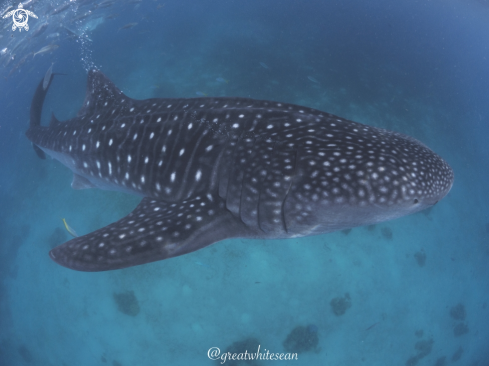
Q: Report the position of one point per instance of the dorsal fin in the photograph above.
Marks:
(54, 121)
(101, 95)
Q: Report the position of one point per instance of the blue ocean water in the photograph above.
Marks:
(413, 291)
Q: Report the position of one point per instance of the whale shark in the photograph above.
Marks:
(214, 168)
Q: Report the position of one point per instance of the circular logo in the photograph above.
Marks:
(20, 18)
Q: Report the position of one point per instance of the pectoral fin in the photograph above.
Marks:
(80, 182)
(155, 230)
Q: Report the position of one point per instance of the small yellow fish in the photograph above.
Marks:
(69, 229)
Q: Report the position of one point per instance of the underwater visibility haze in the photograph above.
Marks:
(340, 242)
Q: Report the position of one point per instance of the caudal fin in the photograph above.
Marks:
(36, 108)
(38, 101)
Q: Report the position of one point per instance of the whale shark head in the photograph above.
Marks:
(363, 175)
(216, 168)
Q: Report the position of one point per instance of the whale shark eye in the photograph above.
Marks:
(416, 201)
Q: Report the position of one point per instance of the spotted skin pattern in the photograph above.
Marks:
(216, 168)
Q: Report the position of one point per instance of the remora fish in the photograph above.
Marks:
(19, 64)
(314, 80)
(47, 77)
(6, 10)
(40, 30)
(61, 8)
(216, 168)
(128, 26)
(47, 48)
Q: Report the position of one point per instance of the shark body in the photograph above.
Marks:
(209, 169)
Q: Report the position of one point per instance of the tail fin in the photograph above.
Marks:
(36, 110)
(38, 101)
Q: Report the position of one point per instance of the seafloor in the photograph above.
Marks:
(411, 291)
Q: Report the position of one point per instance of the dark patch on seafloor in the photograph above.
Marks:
(419, 333)
(457, 312)
(386, 233)
(341, 304)
(25, 353)
(116, 363)
(127, 303)
(249, 345)
(458, 354)
(424, 348)
(420, 258)
(460, 329)
(302, 339)
(442, 361)
(346, 231)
